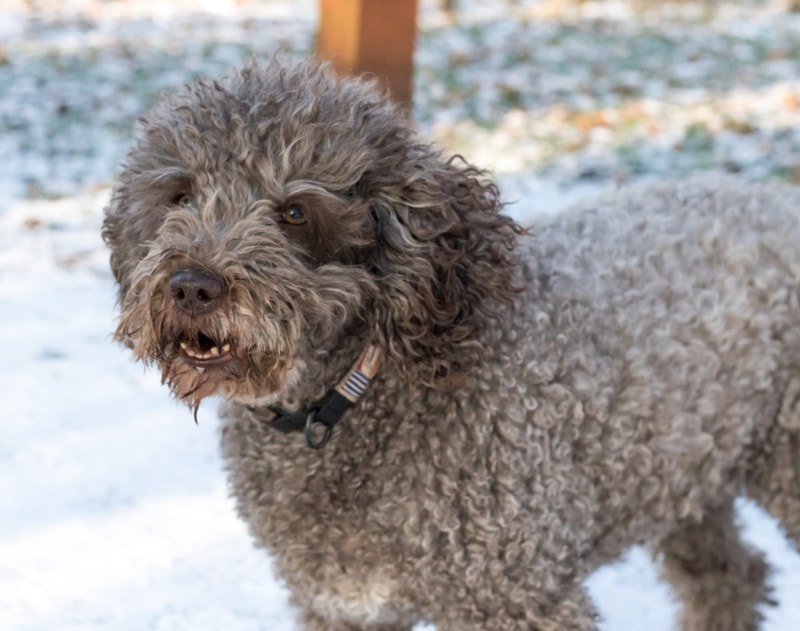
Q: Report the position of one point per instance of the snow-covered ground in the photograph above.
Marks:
(113, 506)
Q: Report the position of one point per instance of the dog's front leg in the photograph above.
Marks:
(574, 612)
(311, 621)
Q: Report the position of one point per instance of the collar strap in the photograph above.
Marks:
(330, 410)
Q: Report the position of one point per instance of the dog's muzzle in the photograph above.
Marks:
(198, 293)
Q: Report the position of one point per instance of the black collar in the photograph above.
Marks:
(330, 410)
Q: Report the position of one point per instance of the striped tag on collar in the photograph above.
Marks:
(332, 408)
(356, 382)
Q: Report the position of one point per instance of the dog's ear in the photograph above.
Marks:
(445, 264)
(114, 226)
(127, 232)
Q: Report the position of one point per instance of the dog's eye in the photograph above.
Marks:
(181, 199)
(294, 215)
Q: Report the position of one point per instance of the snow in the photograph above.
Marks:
(114, 512)
(113, 503)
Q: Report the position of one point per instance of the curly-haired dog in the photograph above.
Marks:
(543, 401)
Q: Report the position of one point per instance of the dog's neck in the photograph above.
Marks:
(317, 421)
(323, 386)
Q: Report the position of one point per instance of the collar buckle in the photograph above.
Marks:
(309, 432)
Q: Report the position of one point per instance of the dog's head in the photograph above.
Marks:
(281, 211)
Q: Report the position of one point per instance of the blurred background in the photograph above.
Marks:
(113, 507)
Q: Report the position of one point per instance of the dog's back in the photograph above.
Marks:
(670, 315)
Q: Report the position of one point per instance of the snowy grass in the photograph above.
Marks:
(113, 507)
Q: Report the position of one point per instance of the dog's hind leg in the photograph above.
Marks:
(774, 480)
(719, 580)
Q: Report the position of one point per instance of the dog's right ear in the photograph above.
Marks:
(136, 211)
(127, 231)
(114, 227)
(445, 264)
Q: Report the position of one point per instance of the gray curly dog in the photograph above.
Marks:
(432, 414)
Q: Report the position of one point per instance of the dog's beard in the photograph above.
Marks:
(245, 349)
(244, 380)
(216, 354)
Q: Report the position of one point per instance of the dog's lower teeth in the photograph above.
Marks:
(212, 353)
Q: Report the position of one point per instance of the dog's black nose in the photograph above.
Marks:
(195, 291)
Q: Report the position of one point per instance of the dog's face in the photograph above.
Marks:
(238, 233)
(263, 220)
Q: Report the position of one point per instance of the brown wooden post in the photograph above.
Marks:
(373, 36)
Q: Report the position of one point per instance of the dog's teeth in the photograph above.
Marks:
(212, 353)
(200, 369)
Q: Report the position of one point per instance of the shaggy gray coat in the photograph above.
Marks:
(618, 375)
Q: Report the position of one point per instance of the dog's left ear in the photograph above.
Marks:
(445, 264)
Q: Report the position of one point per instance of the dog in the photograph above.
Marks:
(432, 413)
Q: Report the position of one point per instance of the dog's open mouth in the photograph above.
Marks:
(203, 350)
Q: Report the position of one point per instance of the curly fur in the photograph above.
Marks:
(617, 376)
